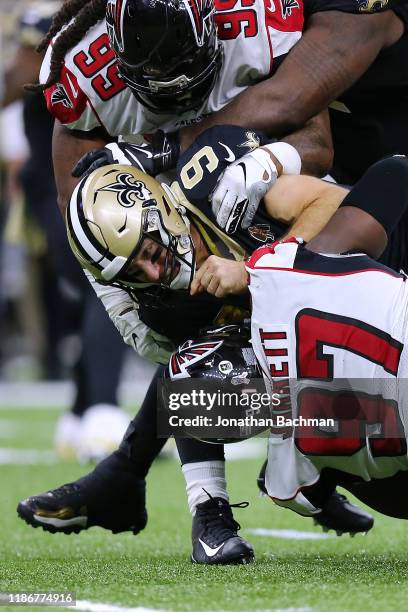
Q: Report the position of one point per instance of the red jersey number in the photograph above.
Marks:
(361, 418)
(90, 64)
(232, 21)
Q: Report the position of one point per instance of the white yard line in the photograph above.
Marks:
(93, 606)
(289, 534)
(59, 395)
(26, 456)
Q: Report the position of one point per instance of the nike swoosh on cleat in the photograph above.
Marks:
(210, 552)
(231, 157)
(81, 521)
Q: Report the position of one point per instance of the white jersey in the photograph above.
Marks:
(330, 331)
(255, 35)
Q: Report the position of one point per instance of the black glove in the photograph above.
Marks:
(158, 156)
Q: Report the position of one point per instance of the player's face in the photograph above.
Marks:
(152, 264)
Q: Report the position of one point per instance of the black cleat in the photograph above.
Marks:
(108, 498)
(215, 537)
(337, 512)
(343, 516)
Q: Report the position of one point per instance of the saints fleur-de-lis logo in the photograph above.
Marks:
(128, 190)
(252, 141)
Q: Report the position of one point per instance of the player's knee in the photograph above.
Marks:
(392, 169)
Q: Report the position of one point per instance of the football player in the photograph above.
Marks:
(335, 338)
(162, 240)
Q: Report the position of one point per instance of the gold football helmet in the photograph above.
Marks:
(114, 212)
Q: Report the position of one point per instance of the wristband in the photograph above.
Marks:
(287, 156)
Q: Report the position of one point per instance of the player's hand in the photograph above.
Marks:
(158, 156)
(220, 277)
(240, 189)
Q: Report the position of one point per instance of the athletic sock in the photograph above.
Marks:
(202, 478)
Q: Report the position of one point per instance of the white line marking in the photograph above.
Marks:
(27, 456)
(289, 534)
(93, 606)
(60, 395)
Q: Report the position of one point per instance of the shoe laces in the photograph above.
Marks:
(218, 517)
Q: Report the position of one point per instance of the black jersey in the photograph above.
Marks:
(370, 120)
(176, 314)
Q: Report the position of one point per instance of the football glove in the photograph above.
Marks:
(240, 189)
(158, 156)
(123, 312)
(246, 181)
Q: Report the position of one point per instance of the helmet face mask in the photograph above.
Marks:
(167, 51)
(119, 217)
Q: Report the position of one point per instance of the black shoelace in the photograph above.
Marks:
(218, 517)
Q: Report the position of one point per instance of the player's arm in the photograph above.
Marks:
(334, 51)
(67, 147)
(305, 203)
(370, 212)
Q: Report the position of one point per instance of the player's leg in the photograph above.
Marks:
(385, 495)
(215, 536)
(113, 494)
(336, 511)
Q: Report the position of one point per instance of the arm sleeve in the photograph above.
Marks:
(123, 312)
(66, 101)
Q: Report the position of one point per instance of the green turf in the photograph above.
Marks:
(153, 569)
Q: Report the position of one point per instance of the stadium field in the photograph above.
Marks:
(152, 571)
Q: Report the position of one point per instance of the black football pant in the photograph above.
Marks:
(141, 445)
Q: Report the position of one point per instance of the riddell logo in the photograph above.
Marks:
(60, 96)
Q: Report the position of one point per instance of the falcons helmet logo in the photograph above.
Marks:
(60, 96)
(200, 13)
(115, 11)
(128, 190)
(189, 354)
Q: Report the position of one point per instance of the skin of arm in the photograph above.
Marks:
(310, 203)
(335, 50)
(67, 147)
(303, 202)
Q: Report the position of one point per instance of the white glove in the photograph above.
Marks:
(123, 312)
(245, 182)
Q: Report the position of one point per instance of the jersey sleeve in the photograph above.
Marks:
(201, 165)
(66, 100)
(356, 6)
